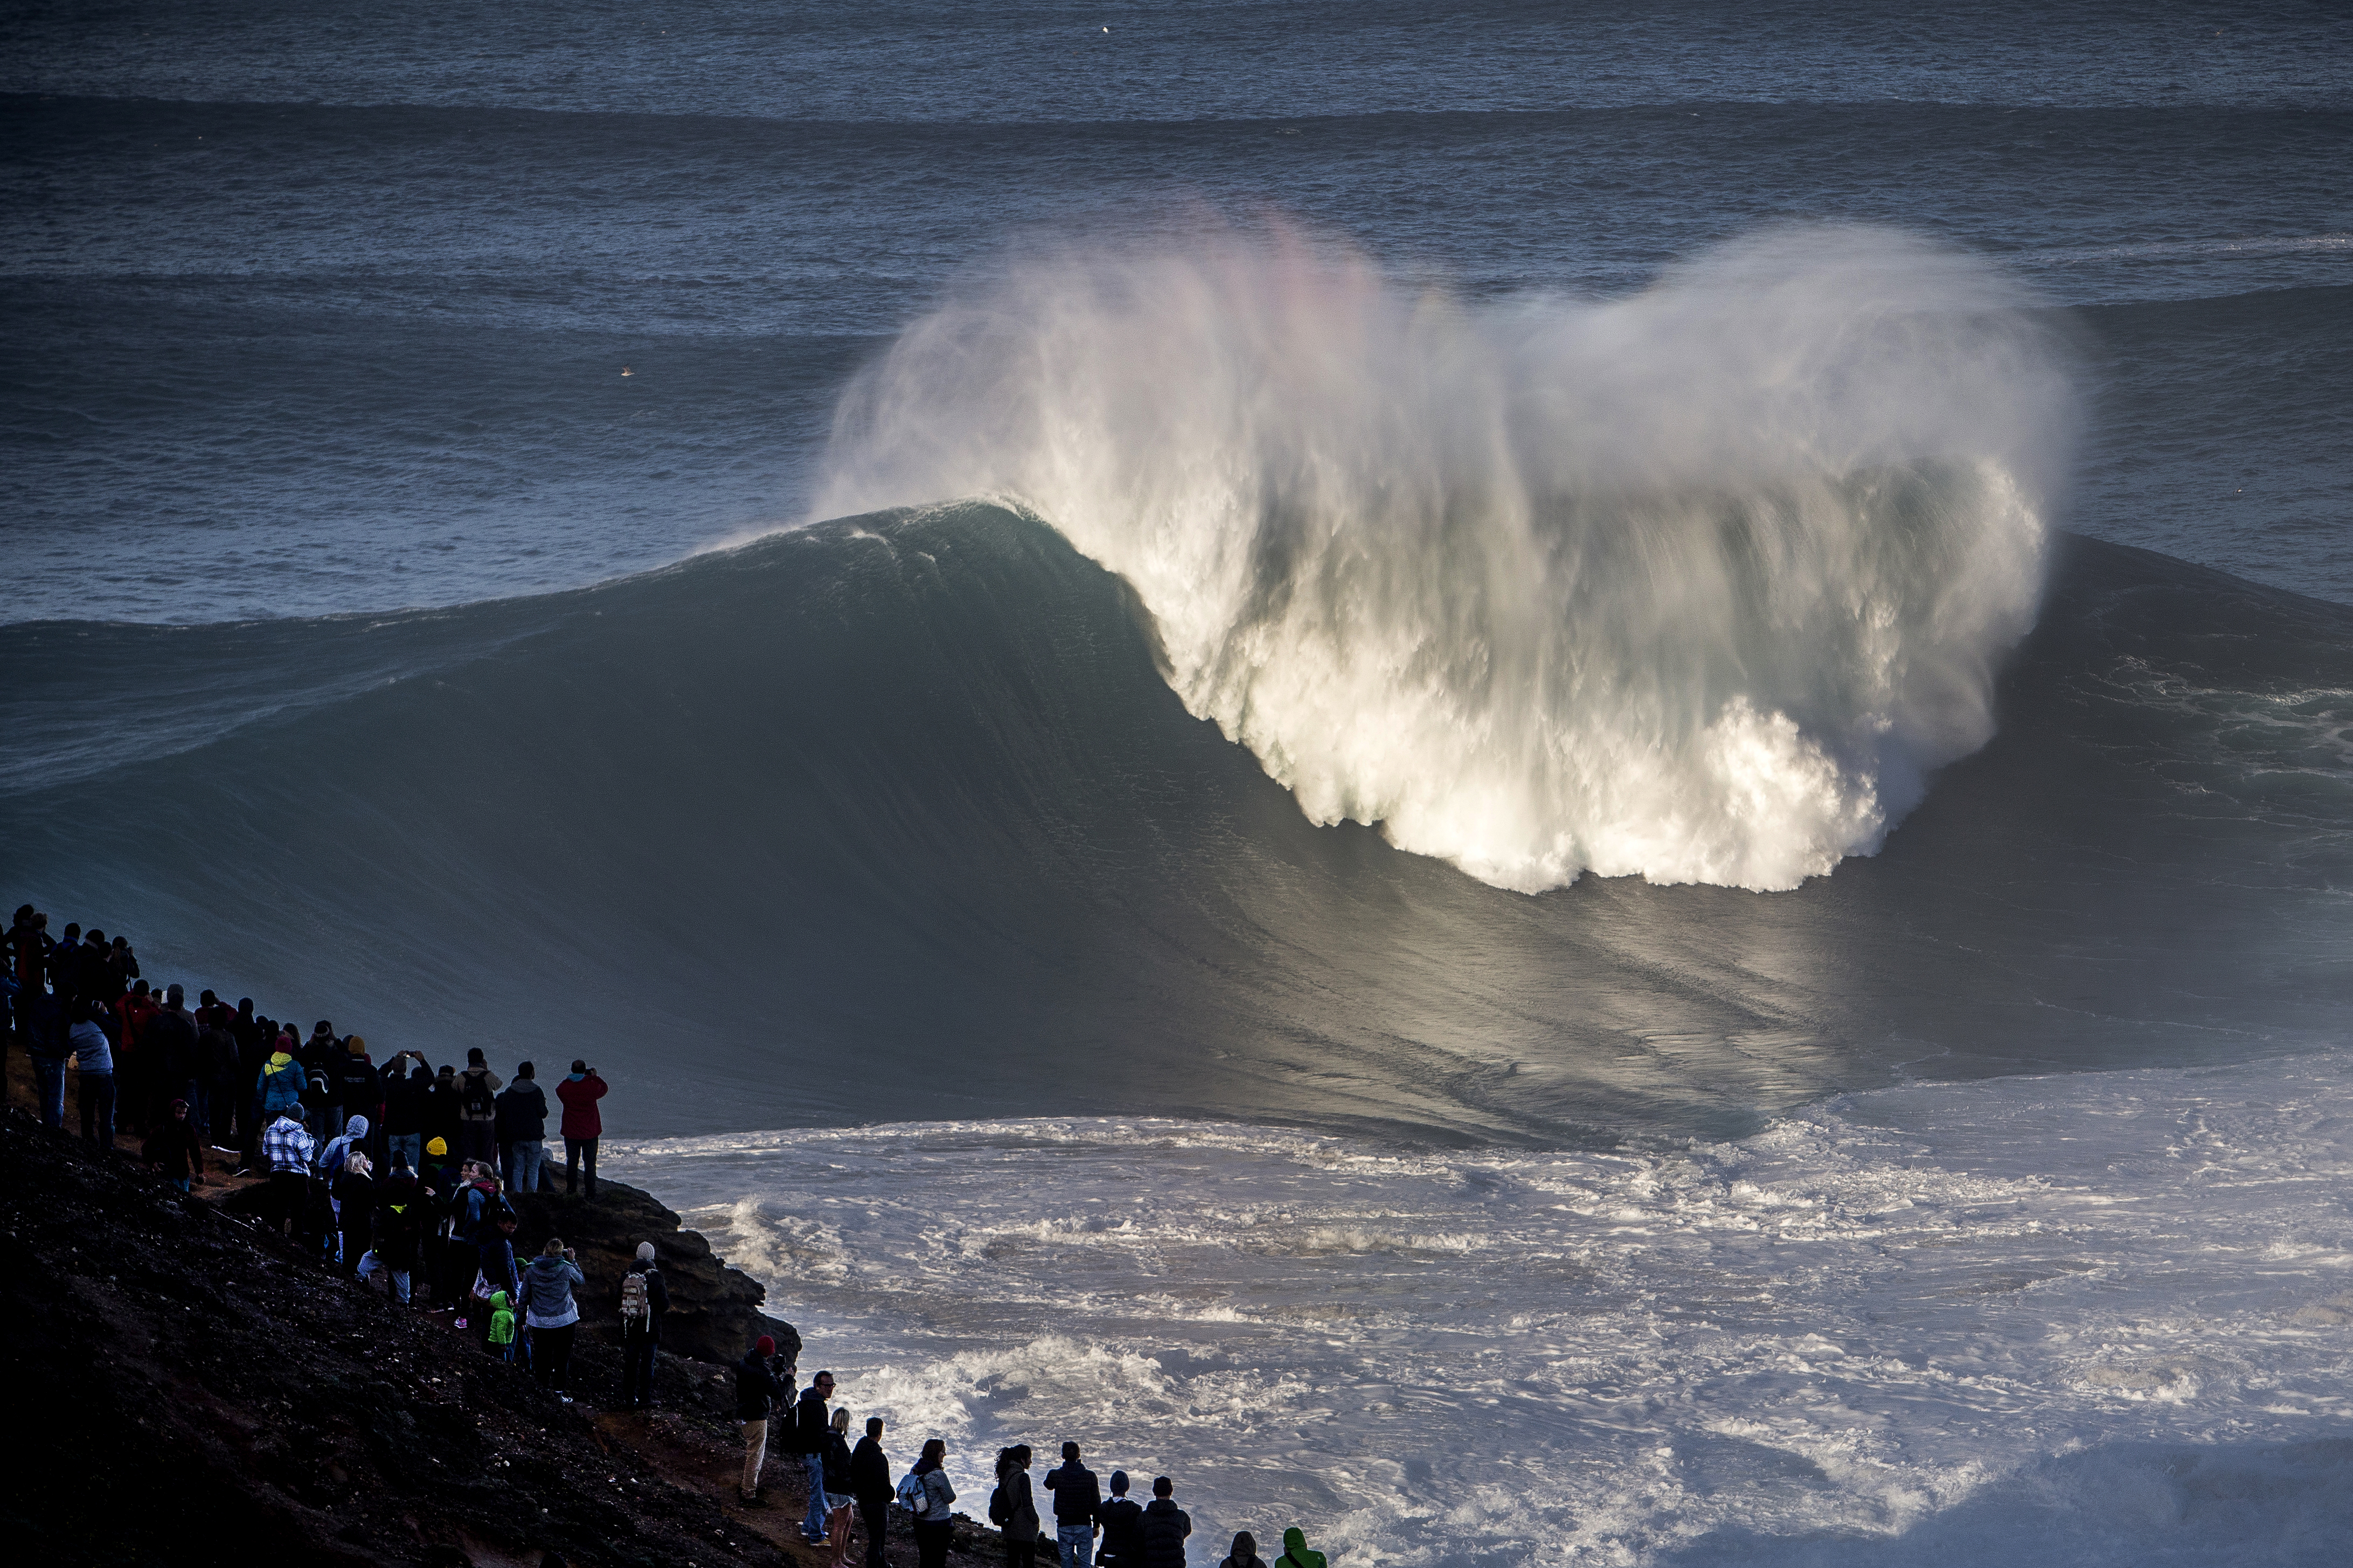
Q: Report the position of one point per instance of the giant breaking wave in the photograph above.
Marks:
(1697, 585)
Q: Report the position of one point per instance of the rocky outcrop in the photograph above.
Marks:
(714, 1311)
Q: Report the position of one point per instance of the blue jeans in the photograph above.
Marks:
(813, 1526)
(409, 1143)
(524, 1158)
(1078, 1544)
(50, 1079)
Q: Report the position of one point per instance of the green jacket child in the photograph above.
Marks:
(502, 1327)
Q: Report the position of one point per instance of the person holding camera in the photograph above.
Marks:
(582, 1124)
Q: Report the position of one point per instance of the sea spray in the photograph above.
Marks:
(1696, 584)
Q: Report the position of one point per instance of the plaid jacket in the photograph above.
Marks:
(285, 1145)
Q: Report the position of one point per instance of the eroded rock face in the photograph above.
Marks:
(714, 1311)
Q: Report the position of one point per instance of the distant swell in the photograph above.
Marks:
(1697, 585)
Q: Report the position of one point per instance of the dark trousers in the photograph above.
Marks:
(289, 1195)
(96, 1092)
(636, 1366)
(932, 1543)
(550, 1354)
(1020, 1553)
(575, 1150)
(874, 1509)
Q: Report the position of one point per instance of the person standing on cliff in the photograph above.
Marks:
(478, 1110)
(870, 1482)
(811, 1431)
(583, 1123)
(644, 1300)
(522, 1130)
(755, 1399)
(1077, 1505)
(170, 1048)
(285, 1145)
(551, 1313)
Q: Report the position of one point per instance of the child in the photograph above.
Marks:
(502, 1327)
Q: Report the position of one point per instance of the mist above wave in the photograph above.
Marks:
(1696, 584)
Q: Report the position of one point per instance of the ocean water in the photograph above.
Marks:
(1540, 783)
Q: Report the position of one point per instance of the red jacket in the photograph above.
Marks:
(580, 1097)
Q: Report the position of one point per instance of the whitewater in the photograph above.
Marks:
(2038, 1321)
(1698, 584)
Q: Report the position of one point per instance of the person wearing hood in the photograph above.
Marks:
(94, 1064)
(1295, 1553)
(934, 1525)
(583, 1123)
(478, 1110)
(757, 1393)
(1123, 1526)
(645, 1301)
(331, 1160)
(550, 1313)
(502, 1327)
(1245, 1552)
(1166, 1527)
(521, 1130)
(287, 1148)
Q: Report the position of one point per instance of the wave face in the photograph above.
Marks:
(904, 802)
(1697, 586)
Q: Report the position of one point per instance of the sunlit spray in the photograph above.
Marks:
(1697, 585)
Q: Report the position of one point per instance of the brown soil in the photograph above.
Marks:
(187, 1389)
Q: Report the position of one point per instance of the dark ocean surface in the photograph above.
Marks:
(421, 606)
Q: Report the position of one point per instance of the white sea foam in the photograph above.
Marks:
(1697, 585)
(2042, 1321)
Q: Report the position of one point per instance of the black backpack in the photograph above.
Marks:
(477, 1101)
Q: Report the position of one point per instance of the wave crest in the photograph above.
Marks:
(1696, 584)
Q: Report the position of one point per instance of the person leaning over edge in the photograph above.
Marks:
(755, 1397)
(1077, 1505)
(869, 1481)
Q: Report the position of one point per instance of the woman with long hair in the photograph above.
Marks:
(935, 1527)
(837, 1486)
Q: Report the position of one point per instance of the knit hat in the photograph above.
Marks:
(437, 1146)
(357, 1045)
(763, 1345)
(645, 1252)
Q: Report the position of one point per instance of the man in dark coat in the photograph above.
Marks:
(1078, 1504)
(870, 1483)
(521, 1130)
(170, 1048)
(1165, 1526)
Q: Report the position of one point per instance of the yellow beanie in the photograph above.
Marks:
(439, 1146)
